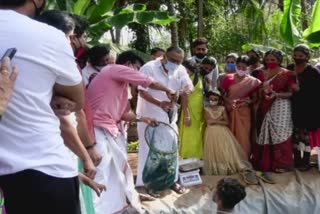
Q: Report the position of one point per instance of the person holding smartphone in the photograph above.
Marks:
(8, 76)
(37, 174)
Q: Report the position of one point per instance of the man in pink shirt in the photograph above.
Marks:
(108, 97)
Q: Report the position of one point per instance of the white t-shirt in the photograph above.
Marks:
(29, 130)
(176, 80)
(87, 72)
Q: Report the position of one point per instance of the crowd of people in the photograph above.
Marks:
(260, 116)
(64, 109)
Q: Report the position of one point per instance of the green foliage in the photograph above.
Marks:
(288, 28)
(312, 33)
(102, 15)
(80, 6)
(100, 11)
(133, 147)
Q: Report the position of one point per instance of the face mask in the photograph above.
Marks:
(230, 67)
(213, 103)
(299, 61)
(170, 66)
(200, 56)
(39, 9)
(204, 72)
(271, 65)
(253, 60)
(241, 73)
(79, 52)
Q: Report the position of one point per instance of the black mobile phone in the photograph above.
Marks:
(9, 53)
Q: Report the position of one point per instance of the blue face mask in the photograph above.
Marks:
(230, 67)
(170, 66)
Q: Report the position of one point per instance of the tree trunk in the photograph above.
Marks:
(118, 36)
(280, 5)
(113, 39)
(182, 25)
(200, 18)
(303, 4)
(173, 26)
(141, 40)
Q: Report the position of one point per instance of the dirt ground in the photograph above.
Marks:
(133, 161)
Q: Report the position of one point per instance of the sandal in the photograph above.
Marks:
(266, 177)
(146, 197)
(279, 170)
(178, 188)
(249, 177)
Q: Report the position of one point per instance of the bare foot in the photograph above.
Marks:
(178, 188)
(146, 197)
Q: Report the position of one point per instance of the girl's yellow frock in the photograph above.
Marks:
(222, 153)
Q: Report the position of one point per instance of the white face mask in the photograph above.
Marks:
(213, 103)
(170, 66)
(241, 73)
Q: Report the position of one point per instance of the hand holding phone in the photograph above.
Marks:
(8, 76)
(9, 53)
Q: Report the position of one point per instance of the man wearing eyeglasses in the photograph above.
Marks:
(169, 72)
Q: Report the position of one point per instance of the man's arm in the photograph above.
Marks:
(73, 142)
(86, 138)
(73, 93)
(7, 81)
(165, 105)
(131, 117)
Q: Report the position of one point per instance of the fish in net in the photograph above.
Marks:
(159, 171)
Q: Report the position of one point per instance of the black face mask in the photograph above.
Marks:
(253, 60)
(200, 55)
(39, 9)
(299, 61)
(203, 72)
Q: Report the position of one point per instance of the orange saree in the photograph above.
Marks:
(240, 117)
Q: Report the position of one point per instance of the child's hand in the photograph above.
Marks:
(187, 121)
(296, 87)
(98, 188)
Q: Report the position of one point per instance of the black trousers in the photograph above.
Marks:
(33, 192)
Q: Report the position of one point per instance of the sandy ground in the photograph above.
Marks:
(133, 161)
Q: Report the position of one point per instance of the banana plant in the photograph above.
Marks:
(102, 15)
(289, 29)
(312, 33)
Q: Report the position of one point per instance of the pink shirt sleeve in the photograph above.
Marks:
(128, 75)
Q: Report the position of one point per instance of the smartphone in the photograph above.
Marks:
(9, 53)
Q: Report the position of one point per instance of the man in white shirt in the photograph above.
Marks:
(151, 103)
(37, 174)
(98, 58)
